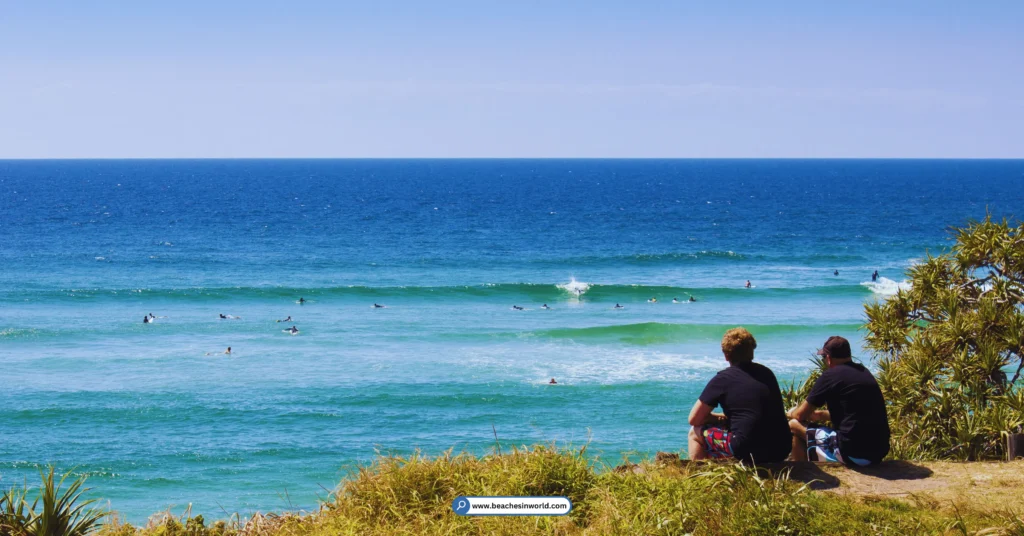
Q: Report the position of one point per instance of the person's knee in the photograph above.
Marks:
(797, 427)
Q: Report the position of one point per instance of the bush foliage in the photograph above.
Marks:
(57, 510)
(950, 348)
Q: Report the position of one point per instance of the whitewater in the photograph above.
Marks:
(159, 416)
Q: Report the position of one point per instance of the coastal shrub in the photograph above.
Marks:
(950, 348)
(57, 510)
(794, 392)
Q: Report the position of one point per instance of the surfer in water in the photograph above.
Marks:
(874, 277)
(516, 308)
(377, 306)
(617, 306)
(289, 319)
(652, 300)
(293, 330)
(675, 300)
(302, 301)
(228, 351)
(692, 299)
(552, 382)
(545, 306)
(748, 283)
(146, 320)
(223, 316)
(835, 272)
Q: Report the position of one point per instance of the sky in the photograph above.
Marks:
(439, 79)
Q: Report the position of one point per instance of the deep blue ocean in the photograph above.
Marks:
(158, 416)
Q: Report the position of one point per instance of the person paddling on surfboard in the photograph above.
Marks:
(617, 306)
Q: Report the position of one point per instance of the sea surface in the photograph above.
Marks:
(159, 417)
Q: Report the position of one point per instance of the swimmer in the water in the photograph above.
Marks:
(748, 283)
(289, 319)
(552, 382)
(228, 351)
(692, 299)
(617, 306)
(545, 306)
(835, 272)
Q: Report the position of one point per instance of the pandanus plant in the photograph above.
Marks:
(57, 510)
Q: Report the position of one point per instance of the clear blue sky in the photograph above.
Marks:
(511, 79)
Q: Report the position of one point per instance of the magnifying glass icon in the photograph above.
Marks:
(461, 505)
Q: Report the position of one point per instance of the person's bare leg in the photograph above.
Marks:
(696, 445)
(799, 453)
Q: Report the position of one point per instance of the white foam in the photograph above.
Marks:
(886, 287)
(575, 288)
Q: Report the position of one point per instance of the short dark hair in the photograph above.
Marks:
(836, 347)
(738, 345)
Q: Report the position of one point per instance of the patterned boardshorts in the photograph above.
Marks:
(717, 441)
(823, 446)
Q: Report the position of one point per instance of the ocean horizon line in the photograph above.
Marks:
(519, 158)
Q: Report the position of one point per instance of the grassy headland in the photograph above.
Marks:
(413, 496)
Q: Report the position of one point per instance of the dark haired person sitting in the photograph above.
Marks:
(860, 433)
(753, 427)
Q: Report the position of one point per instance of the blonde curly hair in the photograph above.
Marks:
(738, 345)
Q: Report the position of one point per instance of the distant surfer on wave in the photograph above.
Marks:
(692, 299)
(377, 306)
(835, 272)
(675, 300)
(289, 319)
(228, 351)
(516, 308)
(293, 330)
(552, 382)
(652, 300)
(874, 276)
(748, 283)
(146, 320)
(302, 301)
(545, 306)
(617, 306)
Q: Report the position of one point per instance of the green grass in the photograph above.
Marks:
(413, 495)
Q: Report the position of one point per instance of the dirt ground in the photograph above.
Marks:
(979, 485)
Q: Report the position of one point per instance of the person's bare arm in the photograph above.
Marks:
(701, 414)
(808, 412)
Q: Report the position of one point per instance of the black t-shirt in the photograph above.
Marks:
(750, 397)
(857, 409)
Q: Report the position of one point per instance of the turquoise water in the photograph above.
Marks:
(159, 417)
